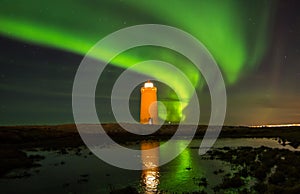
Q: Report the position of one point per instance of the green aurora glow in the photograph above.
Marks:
(233, 31)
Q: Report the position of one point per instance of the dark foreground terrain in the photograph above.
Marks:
(275, 170)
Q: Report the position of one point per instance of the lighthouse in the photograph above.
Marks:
(148, 111)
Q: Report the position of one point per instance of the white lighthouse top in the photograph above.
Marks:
(148, 84)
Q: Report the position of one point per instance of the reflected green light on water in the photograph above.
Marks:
(184, 158)
(185, 172)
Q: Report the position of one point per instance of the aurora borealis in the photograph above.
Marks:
(241, 36)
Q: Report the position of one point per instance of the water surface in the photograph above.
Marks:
(79, 171)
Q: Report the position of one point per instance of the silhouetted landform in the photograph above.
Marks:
(67, 135)
(14, 140)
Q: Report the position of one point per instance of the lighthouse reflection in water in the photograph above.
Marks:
(150, 173)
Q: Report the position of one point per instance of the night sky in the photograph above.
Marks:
(255, 43)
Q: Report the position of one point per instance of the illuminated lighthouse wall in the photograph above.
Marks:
(148, 114)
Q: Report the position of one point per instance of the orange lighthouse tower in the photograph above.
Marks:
(148, 114)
